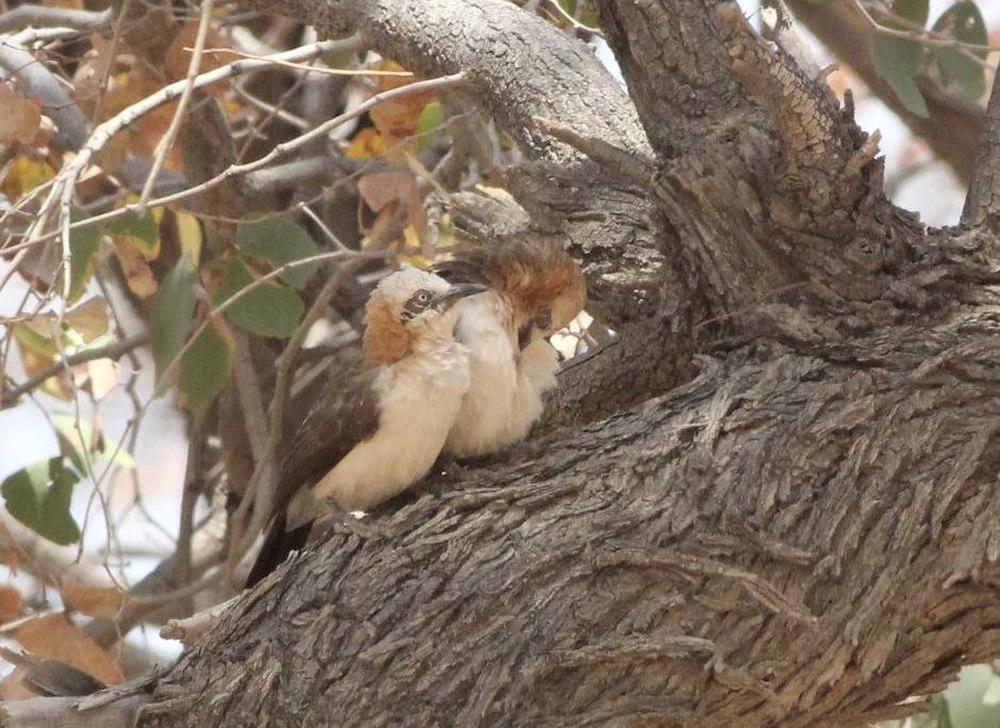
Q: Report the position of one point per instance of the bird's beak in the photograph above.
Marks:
(444, 301)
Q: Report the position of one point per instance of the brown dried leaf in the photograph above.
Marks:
(12, 688)
(20, 118)
(100, 374)
(178, 57)
(10, 603)
(138, 275)
(381, 188)
(398, 119)
(55, 636)
(92, 600)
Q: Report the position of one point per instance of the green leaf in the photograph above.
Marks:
(83, 245)
(39, 497)
(269, 309)
(430, 119)
(172, 313)
(141, 231)
(964, 22)
(278, 240)
(915, 11)
(898, 61)
(205, 367)
(100, 448)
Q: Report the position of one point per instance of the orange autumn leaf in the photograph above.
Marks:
(10, 603)
(178, 55)
(55, 636)
(398, 118)
(20, 118)
(93, 600)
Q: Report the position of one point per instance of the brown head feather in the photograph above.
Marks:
(530, 274)
(386, 339)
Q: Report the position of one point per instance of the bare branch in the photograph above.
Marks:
(167, 140)
(41, 16)
(66, 713)
(114, 350)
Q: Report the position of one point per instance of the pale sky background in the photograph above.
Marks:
(160, 454)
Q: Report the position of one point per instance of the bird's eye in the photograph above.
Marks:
(417, 303)
(543, 319)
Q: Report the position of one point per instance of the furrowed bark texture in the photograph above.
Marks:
(803, 534)
(953, 124)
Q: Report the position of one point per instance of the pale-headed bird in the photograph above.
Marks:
(379, 430)
(534, 291)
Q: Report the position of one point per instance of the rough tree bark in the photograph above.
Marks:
(803, 533)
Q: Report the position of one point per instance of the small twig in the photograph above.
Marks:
(251, 399)
(286, 116)
(313, 69)
(193, 478)
(923, 36)
(240, 169)
(584, 31)
(111, 351)
(191, 628)
(167, 140)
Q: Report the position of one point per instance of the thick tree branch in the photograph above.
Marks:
(983, 200)
(720, 556)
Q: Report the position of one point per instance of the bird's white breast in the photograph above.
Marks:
(418, 401)
(505, 396)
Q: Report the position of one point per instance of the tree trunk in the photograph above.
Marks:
(802, 533)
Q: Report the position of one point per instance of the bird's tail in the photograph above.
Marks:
(278, 544)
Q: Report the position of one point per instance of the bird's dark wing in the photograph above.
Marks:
(344, 413)
(466, 265)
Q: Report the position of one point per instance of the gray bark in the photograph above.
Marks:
(803, 533)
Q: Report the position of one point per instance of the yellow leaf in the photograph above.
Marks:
(138, 275)
(398, 117)
(411, 239)
(189, 234)
(24, 174)
(367, 144)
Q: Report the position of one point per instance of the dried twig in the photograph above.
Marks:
(167, 140)
(112, 351)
